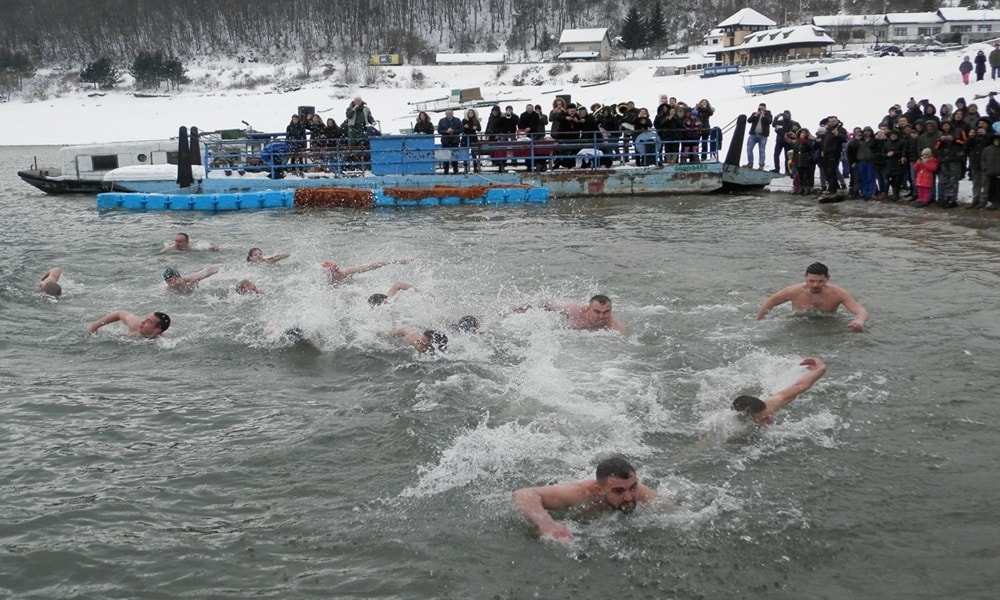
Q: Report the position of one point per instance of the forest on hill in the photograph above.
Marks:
(72, 33)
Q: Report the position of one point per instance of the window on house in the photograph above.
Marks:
(899, 32)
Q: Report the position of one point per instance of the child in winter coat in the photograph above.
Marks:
(965, 68)
(925, 168)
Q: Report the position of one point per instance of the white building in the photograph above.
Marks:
(592, 44)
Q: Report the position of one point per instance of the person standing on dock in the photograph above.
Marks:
(760, 127)
(450, 130)
(359, 117)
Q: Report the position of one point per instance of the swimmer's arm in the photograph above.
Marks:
(168, 248)
(616, 325)
(816, 370)
(277, 257)
(779, 297)
(535, 503)
(203, 274)
(52, 274)
(860, 314)
(118, 315)
(556, 306)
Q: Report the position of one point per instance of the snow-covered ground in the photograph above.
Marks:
(214, 100)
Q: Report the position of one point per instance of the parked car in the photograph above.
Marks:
(888, 50)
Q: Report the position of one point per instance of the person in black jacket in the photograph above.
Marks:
(783, 123)
(450, 128)
(759, 127)
(833, 144)
(423, 124)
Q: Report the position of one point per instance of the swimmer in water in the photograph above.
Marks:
(337, 274)
(256, 255)
(49, 285)
(247, 287)
(182, 243)
(150, 326)
(816, 295)
(380, 299)
(615, 487)
(185, 285)
(428, 341)
(596, 315)
(761, 412)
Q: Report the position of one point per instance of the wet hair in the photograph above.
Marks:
(251, 253)
(52, 288)
(164, 320)
(615, 466)
(468, 324)
(170, 273)
(243, 287)
(187, 238)
(294, 335)
(748, 404)
(817, 268)
(437, 340)
(377, 299)
(600, 299)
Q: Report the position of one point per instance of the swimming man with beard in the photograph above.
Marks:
(616, 487)
(816, 295)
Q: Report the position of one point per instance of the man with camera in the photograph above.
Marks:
(760, 127)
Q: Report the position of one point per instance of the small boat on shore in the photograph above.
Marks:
(792, 77)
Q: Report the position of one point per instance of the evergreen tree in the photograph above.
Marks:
(634, 33)
(101, 73)
(657, 28)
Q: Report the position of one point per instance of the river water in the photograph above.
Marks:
(222, 461)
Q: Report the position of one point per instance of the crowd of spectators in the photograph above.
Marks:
(918, 153)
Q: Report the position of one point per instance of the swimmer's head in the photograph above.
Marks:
(619, 483)
(377, 300)
(817, 268)
(468, 324)
(748, 405)
(435, 340)
(164, 320)
(255, 254)
(52, 288)
(170, 273)
(247, 287)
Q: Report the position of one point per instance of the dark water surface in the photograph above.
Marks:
(224, 462)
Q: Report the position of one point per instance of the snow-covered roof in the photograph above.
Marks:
(800, 35)
(578, 55)
(748, 17)
(848, 20)
(965, 14)
(579, 36)
(904, 18)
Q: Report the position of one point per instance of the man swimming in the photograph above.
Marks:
(150, 326)
(380, 299)
(593, 316)
(185, 285)
(336, 274)
(816, 295)
(761, 412)
(182, 243)
(615, 487)
(428, 341)
(49, 284)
